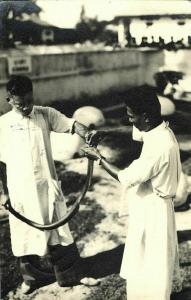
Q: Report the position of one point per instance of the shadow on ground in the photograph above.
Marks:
(103, 264)
(184, 295)
(184, 235)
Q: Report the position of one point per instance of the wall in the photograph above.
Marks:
(66, 76)
(165, 27)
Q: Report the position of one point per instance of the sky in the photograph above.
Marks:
(66, 13)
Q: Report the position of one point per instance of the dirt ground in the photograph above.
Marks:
(97, 228)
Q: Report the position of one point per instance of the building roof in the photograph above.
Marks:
(152, 17)
(18, 7)
(149, 9)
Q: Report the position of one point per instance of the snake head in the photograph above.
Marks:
(93, 137)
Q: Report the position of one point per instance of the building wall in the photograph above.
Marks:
(72, 75)
(165, 27)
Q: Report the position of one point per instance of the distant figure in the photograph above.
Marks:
(173, 89)
(167, 105)
(153, 43)
(171, 45)
(160, 81)
(189, 41)
(167, 83)
(180, 44)
(161, 42)
(150, 259)
(131, 42)
(144, 42)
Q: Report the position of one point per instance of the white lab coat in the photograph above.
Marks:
(31, 177)
(150, 256)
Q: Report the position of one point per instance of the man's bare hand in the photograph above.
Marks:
(91, 152)
(3, 199)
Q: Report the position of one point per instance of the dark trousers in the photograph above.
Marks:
(59, 265)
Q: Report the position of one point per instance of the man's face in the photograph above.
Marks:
(138, 120)
(22, 104)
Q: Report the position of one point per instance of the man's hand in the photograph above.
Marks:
(93, 137)
(91, 153)
(94, 154)
(3, 199)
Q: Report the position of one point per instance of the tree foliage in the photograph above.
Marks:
(95, 31)
(9, 10)
(89, 29)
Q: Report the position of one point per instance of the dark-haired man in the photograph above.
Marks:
(32, 182)
(150, 257)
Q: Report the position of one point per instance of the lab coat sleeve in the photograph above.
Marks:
(143, 169)
(59, 122)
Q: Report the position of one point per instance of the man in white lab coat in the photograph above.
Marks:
(150, 258)
(32, 182)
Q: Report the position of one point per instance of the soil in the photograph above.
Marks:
(97, 229)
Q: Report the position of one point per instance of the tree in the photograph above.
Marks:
(94, 30)
(9, 10)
